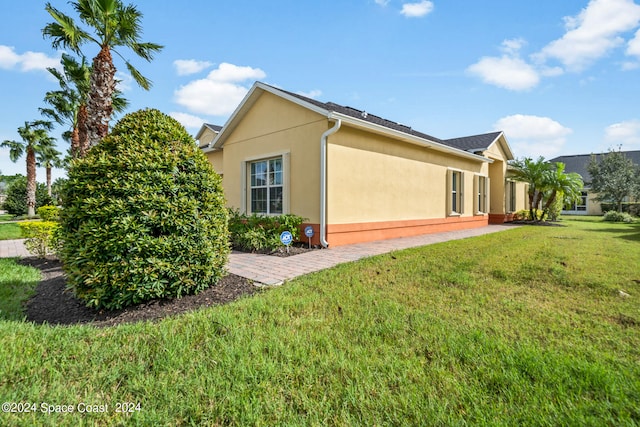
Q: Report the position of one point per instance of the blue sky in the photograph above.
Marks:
(559, 77)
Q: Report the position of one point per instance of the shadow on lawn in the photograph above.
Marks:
(631, 232)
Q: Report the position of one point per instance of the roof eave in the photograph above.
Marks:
(362, 124)
(249, 99)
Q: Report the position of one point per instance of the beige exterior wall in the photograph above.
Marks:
(274, 127)
(377, 186)
(216, 160)
(206, 137)
(374, 178)
(593, 207)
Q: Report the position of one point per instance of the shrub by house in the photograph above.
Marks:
(143, 216)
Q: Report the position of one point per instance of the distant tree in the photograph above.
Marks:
(48, 158)
(35, 138)
(614, 176)
(56, 190)
(111, 25)
(16, 200)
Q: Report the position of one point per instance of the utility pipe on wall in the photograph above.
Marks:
(323, 180)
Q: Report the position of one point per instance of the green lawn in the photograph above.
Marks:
(17, 284)
(523, 327)
(10, 231)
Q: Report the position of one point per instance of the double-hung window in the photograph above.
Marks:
(266, 195)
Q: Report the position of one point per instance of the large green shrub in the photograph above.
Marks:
(143, 216)
(16, 201)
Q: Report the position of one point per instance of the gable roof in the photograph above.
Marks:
(214, 128)
(475, 142)
(578, 163)
(364, 120)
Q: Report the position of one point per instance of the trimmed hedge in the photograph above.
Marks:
(143, 216)
(261, 232)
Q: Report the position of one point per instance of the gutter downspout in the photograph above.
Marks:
(323, 180)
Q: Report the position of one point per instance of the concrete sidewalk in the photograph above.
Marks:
(272, 270)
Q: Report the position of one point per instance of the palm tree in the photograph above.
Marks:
(69, 103)
(48, 157)
(115, 25)
(557, 181)
(35, 136)
(533, 173)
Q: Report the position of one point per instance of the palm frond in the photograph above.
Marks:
(144, 82)
(64, 32)
(146, 50)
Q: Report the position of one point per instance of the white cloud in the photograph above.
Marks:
(189, 121)
(124, 81)
(512, 47)
(381, 2)
(592, 34)
(8, 57)
(633, 48)
(626, 133)
(28, 61)
(533, 136)
(185, 67)
(507, 72)
(313, 94)
(220, 92)
(417, 10)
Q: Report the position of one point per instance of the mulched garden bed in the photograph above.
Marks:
(294, 249)
(53, 304)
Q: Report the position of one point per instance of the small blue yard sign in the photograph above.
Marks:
(308, 231)
(286, 238)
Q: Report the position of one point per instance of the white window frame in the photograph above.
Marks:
(247, 187)
(481, 194)
(578, 207)
(455, 195)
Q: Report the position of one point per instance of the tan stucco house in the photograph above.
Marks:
(355, 176)
(579, 163)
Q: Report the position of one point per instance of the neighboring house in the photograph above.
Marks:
(579, 164)
(357, 177)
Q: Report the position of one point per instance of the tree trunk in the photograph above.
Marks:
(75, 142)
(549, 202)
(31, 182)
(49, 179)
(531, 208)
(99, 106)
(537, 203)
(83, 135)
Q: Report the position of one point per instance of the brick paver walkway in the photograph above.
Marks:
(271, 270)
(13, 248)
